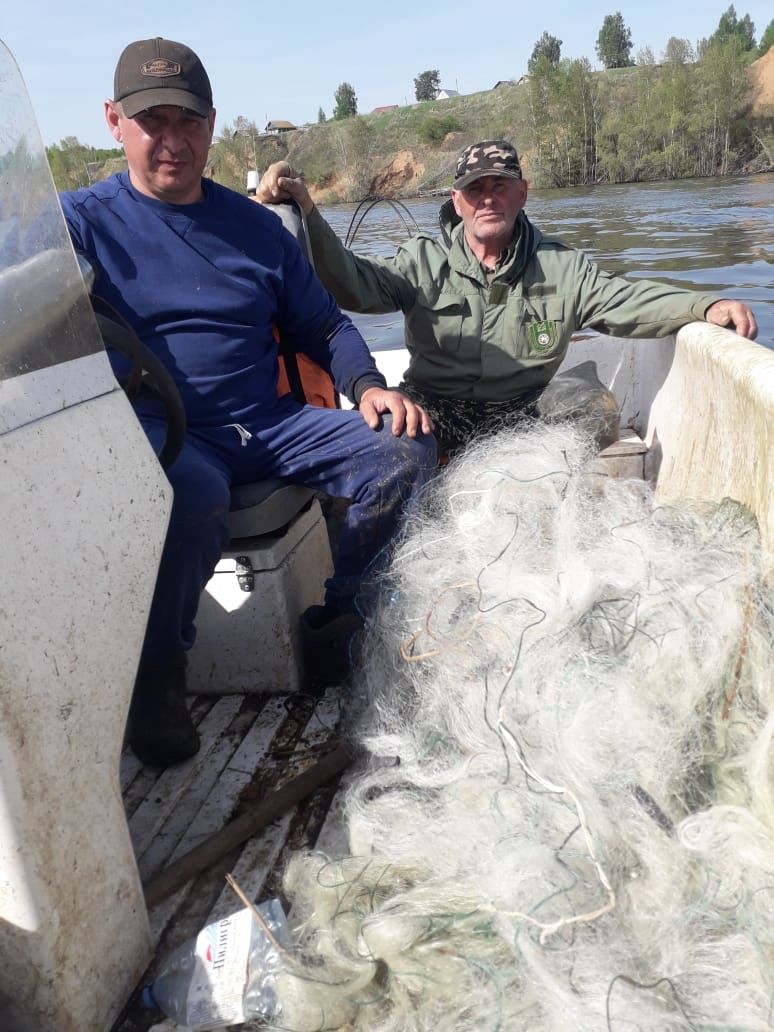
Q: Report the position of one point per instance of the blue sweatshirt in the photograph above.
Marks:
(203, 285)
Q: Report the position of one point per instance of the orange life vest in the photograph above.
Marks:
(317, 385)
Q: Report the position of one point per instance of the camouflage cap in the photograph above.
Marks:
(488, 158)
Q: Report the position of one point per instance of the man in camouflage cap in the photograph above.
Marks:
(487, 194)
(491, 304)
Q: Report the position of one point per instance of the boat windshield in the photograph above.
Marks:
(45, 315)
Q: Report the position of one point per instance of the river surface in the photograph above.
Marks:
(715, 235)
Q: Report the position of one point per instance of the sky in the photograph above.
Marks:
(287, 62)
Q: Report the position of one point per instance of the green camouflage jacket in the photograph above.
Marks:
(494, 339)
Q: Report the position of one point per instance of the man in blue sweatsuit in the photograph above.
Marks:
(204, 275)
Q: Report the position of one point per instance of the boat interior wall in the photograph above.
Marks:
(704, 405)
(85, 507)
(712, 424)
(633, 370)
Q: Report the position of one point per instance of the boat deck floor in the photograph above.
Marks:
(251, 745)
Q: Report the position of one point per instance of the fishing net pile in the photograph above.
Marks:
(579, 833)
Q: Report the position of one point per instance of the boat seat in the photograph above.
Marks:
(274, 567)
(265, 507)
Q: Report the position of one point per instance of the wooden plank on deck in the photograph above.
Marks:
(248, 743)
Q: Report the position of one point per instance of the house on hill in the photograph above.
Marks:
(446, 94)
(511, 82)
(383, 108)
(278, 126)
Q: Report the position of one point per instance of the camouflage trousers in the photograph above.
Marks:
(457, 421)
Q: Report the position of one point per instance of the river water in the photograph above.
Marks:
(715, 235)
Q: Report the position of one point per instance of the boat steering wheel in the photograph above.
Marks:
(148, 374)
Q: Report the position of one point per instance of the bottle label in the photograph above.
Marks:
(217, 987)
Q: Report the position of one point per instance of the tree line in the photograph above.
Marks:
(70, 161)
(613, 48)
(682, 117)
(614, 42)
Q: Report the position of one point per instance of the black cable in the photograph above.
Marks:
(409, 222)
(147, 372)
(634, 984)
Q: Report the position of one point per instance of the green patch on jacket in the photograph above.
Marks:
(542, 336)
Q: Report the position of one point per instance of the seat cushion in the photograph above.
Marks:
(265, 506)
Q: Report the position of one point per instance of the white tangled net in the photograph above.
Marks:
(579, 834)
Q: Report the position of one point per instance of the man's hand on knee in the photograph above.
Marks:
(406, 415)
(280, 182)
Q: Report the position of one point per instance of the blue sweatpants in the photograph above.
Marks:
(330, 450)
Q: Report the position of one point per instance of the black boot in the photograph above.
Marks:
(160, 730)
(327, 639)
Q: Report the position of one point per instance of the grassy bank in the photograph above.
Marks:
(572, 126)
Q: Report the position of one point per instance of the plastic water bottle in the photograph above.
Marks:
(226, 974)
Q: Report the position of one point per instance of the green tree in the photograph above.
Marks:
(629, 137)
(678, 51)
(550, 48)
(649, 132)
(724, 87)
(435, 128)
(70, 162)
(427, 85)
(542, 99)
(565, 110)
(355, 142)
(767, 39)
(321, 119)
(731, 27)
(235, 153)
(614, 42)
(645, 57)
(674, 106)
(582, 126)
(345, 102)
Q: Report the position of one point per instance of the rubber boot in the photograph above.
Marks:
(578, 395)
(327, 639)
(160, 731)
